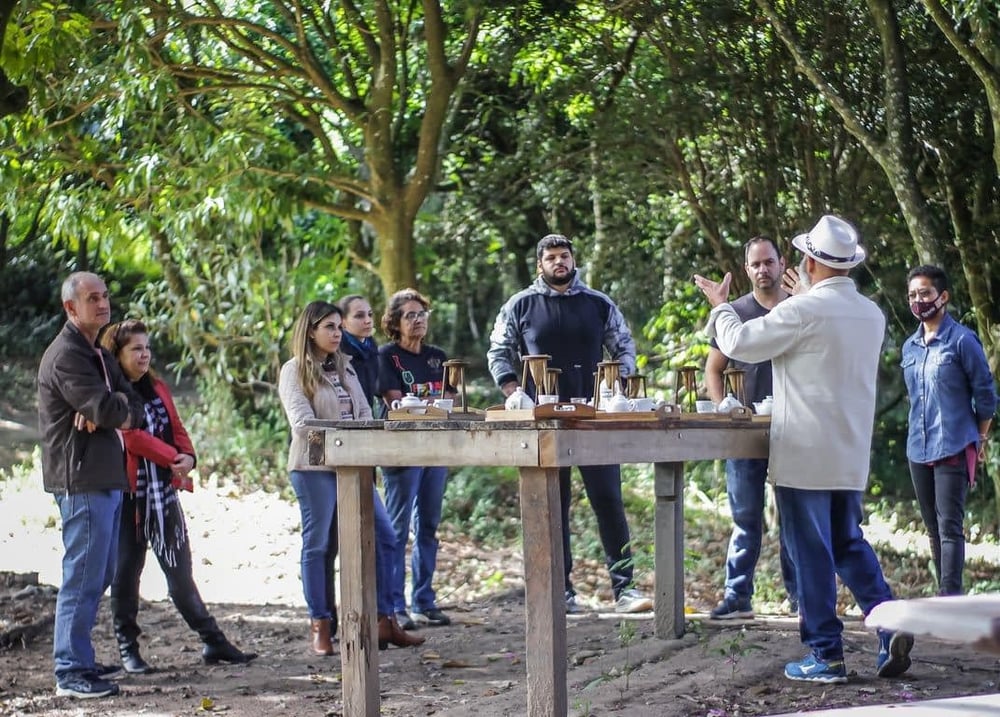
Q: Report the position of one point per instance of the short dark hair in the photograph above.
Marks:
(760, 239)
(393, 315)
(552, 241)
(935, 273)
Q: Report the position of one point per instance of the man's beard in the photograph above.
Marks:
(561, 280)
(804, 275)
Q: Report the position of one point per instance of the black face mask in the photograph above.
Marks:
(926, 310)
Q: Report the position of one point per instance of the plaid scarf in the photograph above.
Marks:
(154, 492)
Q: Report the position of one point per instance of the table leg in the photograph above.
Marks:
(544, 587)
(668, 483)
(358, 611)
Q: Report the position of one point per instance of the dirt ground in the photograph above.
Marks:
(476, 667)
(246, 553)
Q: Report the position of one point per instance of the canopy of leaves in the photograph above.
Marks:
(243, 158)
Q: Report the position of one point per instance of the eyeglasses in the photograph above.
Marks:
(414, 315)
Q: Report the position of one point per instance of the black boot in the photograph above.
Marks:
(218, 649)
(132, 661)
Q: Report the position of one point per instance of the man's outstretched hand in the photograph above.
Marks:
(717, 292)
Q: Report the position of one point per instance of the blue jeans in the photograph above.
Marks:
(90, 539)
(823, 533)
(745, 483)
(603, 485)
(415, 493)
(317, 495)
(941, 492)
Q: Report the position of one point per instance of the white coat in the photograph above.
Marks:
(824, 347)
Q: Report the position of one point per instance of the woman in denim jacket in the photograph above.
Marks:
(952, 402)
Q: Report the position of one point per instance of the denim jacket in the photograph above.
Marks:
(951, 390)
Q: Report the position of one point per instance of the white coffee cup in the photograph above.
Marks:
(643, 404)
(704, 407)
(445, 404)
(547, 398)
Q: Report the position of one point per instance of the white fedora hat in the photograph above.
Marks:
(832, 242)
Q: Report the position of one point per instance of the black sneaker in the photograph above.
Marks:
(893, 653)
(431, 616)
(85, 686)
(732, 609)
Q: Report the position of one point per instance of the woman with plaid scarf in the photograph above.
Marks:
(159, 458)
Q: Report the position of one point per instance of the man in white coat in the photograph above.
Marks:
(824, 347)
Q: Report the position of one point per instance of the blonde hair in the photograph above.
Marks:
(310, 368)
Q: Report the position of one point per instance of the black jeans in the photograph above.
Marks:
(941, 491)
(604, 491)
(180, 580)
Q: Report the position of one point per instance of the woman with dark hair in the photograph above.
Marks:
(159, 459)
(359, 344)
(952, 402)
(319, 382)
(408, 365)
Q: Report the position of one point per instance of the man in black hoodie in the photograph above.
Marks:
(562, 317)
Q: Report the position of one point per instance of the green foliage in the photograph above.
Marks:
(248, 448)
(482, 503)
(29, 290)
(736, 649)
(247, 160)
(44, 33)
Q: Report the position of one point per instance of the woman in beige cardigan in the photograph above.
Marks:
(318, 382)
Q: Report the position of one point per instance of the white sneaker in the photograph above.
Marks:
(572, 606)
(633, 601)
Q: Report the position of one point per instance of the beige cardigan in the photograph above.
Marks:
(324, 405)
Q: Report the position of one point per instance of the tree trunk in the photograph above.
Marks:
(396, 267)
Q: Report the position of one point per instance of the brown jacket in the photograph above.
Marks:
(71, 380)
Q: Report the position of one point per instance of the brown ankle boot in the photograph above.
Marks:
(321, 642)
(389, 632)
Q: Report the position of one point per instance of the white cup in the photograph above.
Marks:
(445, 404)
(643, 404)
(580, 399)
(704, 407)
(547, 398)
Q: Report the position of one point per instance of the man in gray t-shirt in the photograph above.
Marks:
(746, 478)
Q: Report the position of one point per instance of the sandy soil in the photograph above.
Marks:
(246, 552)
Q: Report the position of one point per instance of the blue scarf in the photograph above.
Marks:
(366, 346)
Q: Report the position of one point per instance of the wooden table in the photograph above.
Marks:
(538, 449)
